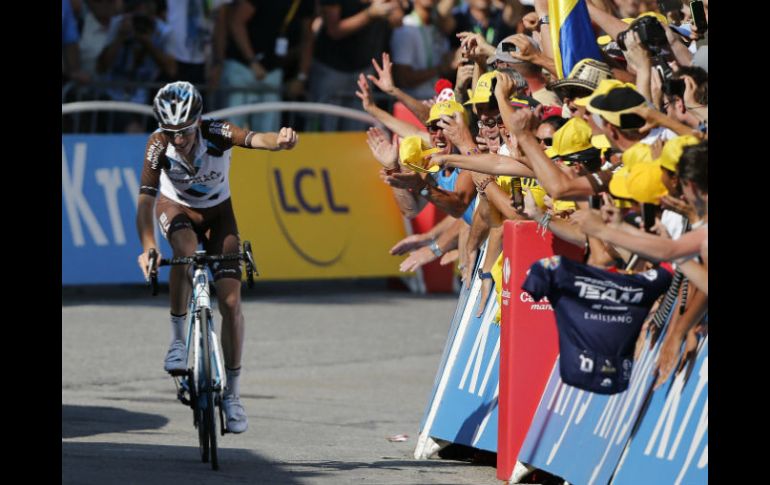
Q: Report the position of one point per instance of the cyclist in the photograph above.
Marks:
(188, 160)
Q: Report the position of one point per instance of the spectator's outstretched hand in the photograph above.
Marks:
(287, 139)
(679, 206)
(406, 179)
(410, 243)
(456, 130)
(524, 49)
(504, 87)
(475, 46)
(365, 93)
(381, 8)
(589, 220)
(464, 76)
(486, 288)
(417, 259)
(610, 214)
(385, 150)
(689, 93)
(530, 22)
(636, 54)
(521, 121)
(449, 257)
(384, 79)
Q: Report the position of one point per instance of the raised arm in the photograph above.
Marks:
(654, 248)
(384, 81)
(400, 127)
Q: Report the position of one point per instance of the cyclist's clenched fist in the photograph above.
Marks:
(287, 138)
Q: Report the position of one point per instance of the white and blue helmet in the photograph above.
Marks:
(177, 103)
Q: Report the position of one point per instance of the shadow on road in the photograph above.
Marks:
(78, 421)
(119, 463)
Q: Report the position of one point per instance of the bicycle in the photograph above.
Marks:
(201, 385)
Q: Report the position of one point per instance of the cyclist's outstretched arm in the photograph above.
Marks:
(285, 139)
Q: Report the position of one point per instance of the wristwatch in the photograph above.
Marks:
(436, 250)
(542, 21)
(484, 276)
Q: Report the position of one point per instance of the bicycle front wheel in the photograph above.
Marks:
(207, 429)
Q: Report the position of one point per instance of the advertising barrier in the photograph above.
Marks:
(581, 436)
(529, 338)
(670, 445)
(463, 404)
(318, 211)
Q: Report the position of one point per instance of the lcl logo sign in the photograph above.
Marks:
(302, 203)
(312, 218)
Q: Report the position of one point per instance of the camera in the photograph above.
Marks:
(651, 35)
(508, 47)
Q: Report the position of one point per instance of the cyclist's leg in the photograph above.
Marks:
(177, 226)
(223, 239)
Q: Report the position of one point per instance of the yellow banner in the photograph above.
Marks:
(317, 211)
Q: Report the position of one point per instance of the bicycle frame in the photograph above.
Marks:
(201, 298)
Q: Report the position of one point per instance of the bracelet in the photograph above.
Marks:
(483, 185)
(484, 276)
(544, 222)
(472, 151)
(391, 171)
(436, 250)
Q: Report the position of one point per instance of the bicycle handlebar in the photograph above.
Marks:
(246, 256)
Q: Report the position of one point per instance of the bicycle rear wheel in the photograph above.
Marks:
(207, 429)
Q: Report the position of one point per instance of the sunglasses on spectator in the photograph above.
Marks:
(433, 128)
(548, 141)
(183, 132)
(491, 122)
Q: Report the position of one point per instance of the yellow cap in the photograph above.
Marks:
(573, 137)
(413, 152)
(644, 183)
(537, 191)
(449, 107)
(639, 152)
(600, 141)
(606, 39)
(483, 91)
(563, 205)
(604, 87)
(551, 152)
(672, 151)
(618, 183)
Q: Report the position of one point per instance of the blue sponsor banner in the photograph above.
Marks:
(670, 445)
(580, 435)
(100, 187)
(463, 407)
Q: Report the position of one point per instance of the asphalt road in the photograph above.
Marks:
(329, 373)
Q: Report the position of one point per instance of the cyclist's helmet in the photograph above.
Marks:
(177, 103)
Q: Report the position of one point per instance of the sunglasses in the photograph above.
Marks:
(548, 141)
(491, 122)
(433, 128)
(183, 132)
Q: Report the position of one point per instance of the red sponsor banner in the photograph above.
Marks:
(528, 338)
(437, 278)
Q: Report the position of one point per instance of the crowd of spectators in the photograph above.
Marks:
(612, 158)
